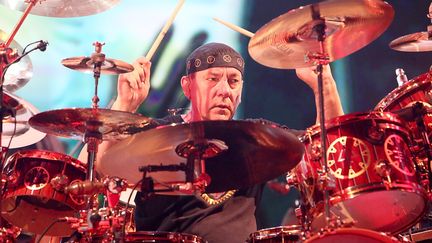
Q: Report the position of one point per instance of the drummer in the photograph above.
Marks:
(213, 83)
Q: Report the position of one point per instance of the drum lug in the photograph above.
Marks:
(326, 181)
(291, 179)
(375, 134)
(59, 182)
(315, 151)
(383, 169)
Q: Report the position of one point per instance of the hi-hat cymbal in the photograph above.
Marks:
(289, 40)
(109, 66)
(72, 122)
(416, 42)
(18, 74)
(23, 135)
(255, 153)
(62, 8)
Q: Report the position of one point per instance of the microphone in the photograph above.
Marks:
(42, 45)
(401, 78)
(85, 187)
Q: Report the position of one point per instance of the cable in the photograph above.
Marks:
(123, 231)
(10, 142)
(48, 228)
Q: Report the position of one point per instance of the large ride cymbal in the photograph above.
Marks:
(72, 122)
(109, 66)
(62, 8)
(416, 42)
(256, 152)
(22, 135)
(288, 40)
(18, 74)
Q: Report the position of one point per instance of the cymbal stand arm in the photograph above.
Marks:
(98, 58)
(320, 61)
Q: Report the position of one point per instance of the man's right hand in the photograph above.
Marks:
(133, 87)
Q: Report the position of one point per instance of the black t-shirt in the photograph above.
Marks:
(228, 222)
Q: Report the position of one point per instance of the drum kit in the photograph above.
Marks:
(381, 158)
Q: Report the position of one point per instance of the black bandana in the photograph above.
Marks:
(213, 55)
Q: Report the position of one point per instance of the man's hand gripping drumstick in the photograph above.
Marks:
(133, 87)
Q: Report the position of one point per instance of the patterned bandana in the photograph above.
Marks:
(213, 55)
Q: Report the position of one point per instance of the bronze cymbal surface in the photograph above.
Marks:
(86, 64)
(290, 41)
(415, 42)
(62, 8)
(18, 74)
(255, 152)
(21, 134)
(72, 122)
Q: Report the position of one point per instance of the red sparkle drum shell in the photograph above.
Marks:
(288, 234)
(30, 200)
(352, 235)
(417, 89)
(375, 184)
(162, 237)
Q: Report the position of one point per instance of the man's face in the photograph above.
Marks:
(214, 93)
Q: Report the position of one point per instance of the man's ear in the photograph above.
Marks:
(185, 83)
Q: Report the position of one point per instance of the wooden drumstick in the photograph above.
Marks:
(235, 28)
(164, 31)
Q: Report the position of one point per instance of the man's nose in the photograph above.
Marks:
(223, 88)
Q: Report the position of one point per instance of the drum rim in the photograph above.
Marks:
(345, 230)
(46, 154)
(275, 231)
(134, 235)
(403, 90)
(353, 117)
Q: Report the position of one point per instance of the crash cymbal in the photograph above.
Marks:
(62, 8)
(255, 152)
(19, 73)
(289, 40)
(23, 134)
(71, 122)
(416, 42)
(109, 66)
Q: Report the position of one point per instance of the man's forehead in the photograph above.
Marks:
(220, 70)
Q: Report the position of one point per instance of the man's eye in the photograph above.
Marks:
(212, 79)
(234, 81)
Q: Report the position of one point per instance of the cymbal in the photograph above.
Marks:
(24, 134)
(109, 66)
(71, 122)
(19, 73)
(416, 42)
(256, 153)
(288, 40)
(62, 8)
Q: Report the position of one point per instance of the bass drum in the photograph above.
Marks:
(34, 196)
(352, 235)
(288, 234)
(162, 237)
(373, 182)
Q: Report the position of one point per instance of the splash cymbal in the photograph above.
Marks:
(72, 122)
(18, 74)
(416, 42)
(289, 40)
(109, 66)
(62, 8)
(253, 153)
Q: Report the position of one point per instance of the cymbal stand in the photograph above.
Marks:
(7, 56)
(321, 59)
(93, 137)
